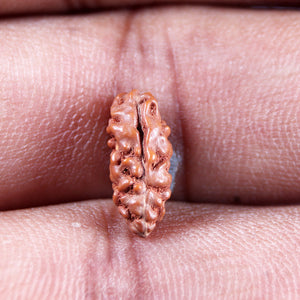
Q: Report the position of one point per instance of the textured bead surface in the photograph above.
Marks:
(140, 160)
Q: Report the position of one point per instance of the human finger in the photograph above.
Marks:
(84, 250)
(226, 86)
(55, 6)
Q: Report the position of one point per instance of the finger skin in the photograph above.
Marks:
(55, 6)
(227, 83)
(85, 251)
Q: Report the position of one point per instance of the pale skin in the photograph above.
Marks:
(227, 83)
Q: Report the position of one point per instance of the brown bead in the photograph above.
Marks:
(140, 160)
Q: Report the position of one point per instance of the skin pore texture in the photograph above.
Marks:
(83, 250)
(227, 83)
(225, 97)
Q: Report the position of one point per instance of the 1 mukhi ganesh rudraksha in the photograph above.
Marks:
(140, 160)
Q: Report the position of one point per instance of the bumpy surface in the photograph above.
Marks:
(140, 160)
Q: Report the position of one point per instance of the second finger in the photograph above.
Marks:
(226, 81)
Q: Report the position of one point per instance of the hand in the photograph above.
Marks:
(227, 82)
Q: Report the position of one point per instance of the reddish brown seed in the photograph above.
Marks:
(140, 160)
